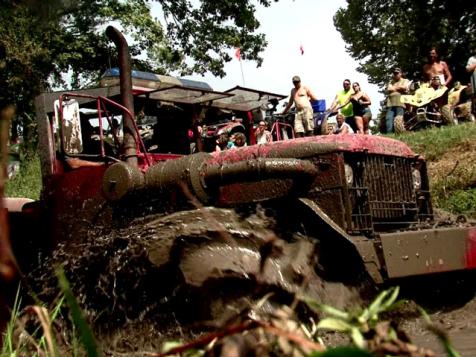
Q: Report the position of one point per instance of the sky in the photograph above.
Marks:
(288, 24)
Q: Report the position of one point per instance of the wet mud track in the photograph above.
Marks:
(190, 272)
(454, 314)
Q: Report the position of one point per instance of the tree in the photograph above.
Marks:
(40, 41)
(382, 34)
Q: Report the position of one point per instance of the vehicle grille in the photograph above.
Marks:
(382, 192)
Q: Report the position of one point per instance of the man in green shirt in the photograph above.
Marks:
(341, 98)
(397, 86)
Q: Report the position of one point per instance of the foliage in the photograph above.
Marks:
(461, 202)
(433, 143)
(27, 182)
(41, 41)
(441, 335)
(450, 155)
(8, 347)
(358, 323)
(20, 341)
(383, 34)
(85, 332)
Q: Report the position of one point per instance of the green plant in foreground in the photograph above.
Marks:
(80, 323)
(18, 341)
(440, 334)
(8, 348)
(358, 323)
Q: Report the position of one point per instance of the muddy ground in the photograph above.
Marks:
(190, 273)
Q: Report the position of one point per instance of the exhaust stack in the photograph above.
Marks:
(130, 144)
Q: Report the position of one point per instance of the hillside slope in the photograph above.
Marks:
(451, 155)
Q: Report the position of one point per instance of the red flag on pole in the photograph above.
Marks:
(301, 48)
(238, 54)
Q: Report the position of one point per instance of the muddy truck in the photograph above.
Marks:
(336, 205)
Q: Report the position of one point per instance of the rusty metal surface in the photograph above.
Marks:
(314, 145)
(259, 169)
(429, 251)
(383, 194)
(329, 188)
(247, 192)
(368, 252)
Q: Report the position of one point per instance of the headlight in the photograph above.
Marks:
(416, 179)
(349, 175)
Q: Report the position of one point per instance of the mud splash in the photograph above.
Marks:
(178, 275)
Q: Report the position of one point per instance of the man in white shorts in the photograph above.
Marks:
(301, 96)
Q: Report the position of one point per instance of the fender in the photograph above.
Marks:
(357, 250)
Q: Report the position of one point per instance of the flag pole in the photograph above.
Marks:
(238, 57)
(242, 74)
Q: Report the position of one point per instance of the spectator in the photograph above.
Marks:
(436, 67)
(301, 96)
(471, 68)
(240, 140)
(222, 142)
(440, 103)
(263, 136)
(397, 86)
(341, 102)
(237, 140)
(342, 127)
(361, 108)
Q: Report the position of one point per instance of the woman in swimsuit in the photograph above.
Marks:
(361, 106)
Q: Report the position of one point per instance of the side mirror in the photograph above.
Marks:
(69, 125)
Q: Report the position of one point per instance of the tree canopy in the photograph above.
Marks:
(41, 40)
(382, 34)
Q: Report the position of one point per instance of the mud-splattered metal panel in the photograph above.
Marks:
(253, 191)
(429, 251)
(328, 187)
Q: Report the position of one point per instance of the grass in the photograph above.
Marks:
(435, 142)
(27, 182)
(450, 153)
(48, 338)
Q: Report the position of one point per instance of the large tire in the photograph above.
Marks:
(193, 264)
(447, 115)
(399, 125)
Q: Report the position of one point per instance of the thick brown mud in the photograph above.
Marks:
(183, 275)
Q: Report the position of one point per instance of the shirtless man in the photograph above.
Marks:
(300, 96)
(436, 67)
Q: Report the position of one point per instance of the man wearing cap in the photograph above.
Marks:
(397, 86)
(301, 96)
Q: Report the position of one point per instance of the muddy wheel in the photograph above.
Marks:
(447, 115)
(399, 125)
(194, 264)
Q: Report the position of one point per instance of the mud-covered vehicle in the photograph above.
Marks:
(356, 204)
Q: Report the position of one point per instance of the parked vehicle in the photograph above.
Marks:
(426, 107)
